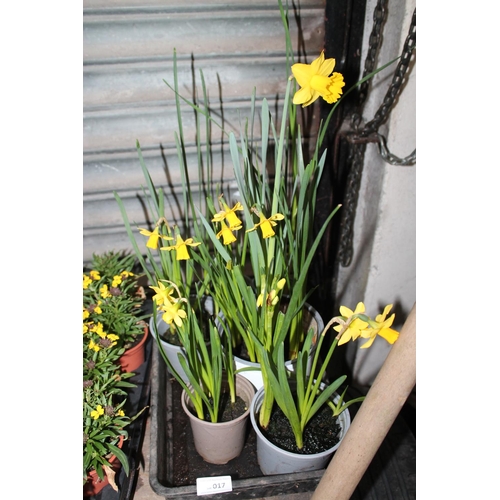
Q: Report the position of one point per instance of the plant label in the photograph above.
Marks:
(210, 485)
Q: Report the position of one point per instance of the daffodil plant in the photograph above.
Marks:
(208, 366)
(254, 252)
(299, 394)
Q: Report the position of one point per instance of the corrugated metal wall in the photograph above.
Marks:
(127, 53)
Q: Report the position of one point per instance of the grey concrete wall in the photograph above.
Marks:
(383, 268)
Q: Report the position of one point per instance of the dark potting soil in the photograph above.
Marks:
(171, 339)
(320, 434)
(228, 411)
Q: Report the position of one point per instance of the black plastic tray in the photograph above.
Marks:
(138, 398)
(175, 464)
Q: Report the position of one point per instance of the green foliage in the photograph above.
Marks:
(113, 299)
(112, 319)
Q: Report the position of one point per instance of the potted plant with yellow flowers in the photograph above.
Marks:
(184, 324)
(252, 254)
(104, 419)
(113, 301)
(215, 398)
(112, 325)
(264, 243)
(309, 418)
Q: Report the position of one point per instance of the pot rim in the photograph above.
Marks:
(186, 403)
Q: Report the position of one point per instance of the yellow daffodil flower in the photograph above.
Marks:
(229, 214)
(383, 329)
(97, 412)
(95, 275)
(355, 327)
(266, 225)
(87, 280)
(173, 314)
(163, 294)
(226, 233)
(153, 237)
(181, 247)
(316, 79)
(104, 291)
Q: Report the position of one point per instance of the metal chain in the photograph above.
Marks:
(393, 159)
(397, 81)
(374, 43)
(359, 138)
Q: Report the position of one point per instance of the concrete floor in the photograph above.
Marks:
(144, 491)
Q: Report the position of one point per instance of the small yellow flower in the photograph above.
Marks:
(226, 233)
(126, 274)
(86, 314)
(95, 275)
(173, 314)
(85, 328)
(316, 79)
(86, 281)
(104, 291)
(355, 327)
(120, 413)
(266, 225)
(229, 214)
(117, 281)
(97, 308)
(99, 329)
(94, 346)
(383, 329)
(113, 338)
(181, 247)
(97, 412)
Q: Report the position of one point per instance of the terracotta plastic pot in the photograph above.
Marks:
(94, 484)
(217, 443)
(134, 357)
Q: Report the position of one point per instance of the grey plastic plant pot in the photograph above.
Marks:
(218, 443)
(274, 460)
(170, 350)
